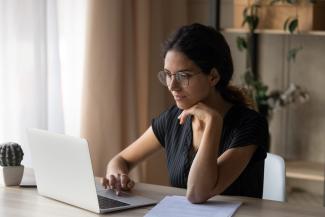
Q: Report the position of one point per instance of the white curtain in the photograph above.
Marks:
(41, 65)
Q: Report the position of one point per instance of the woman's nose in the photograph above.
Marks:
(174, 84)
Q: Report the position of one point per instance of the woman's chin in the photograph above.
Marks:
(183, 106)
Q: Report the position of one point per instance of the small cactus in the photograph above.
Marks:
(11, 154)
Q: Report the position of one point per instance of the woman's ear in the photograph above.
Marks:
(214, 77)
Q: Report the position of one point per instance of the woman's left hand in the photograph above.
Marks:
(202, 113)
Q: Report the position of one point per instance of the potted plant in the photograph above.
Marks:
(11, 170)
(268, 101)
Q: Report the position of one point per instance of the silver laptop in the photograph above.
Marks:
(63, 172)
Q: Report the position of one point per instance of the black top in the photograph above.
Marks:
(241, 126)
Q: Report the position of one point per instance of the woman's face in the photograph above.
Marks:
(199, 85)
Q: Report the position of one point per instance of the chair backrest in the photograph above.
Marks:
(274, 178)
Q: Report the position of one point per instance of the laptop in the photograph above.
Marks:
(63, 172)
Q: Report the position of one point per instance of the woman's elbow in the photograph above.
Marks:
(201, 196)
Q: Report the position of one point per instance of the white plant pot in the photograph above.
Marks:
(11, 175)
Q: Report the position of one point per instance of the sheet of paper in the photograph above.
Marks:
(179, 206)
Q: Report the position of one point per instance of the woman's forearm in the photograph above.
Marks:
(203, 174)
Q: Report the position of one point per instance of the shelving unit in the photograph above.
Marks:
(273, 31)
(303, 170)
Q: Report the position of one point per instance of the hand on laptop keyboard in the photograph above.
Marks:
(117, 182)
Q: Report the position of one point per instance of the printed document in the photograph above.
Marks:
(179, 206)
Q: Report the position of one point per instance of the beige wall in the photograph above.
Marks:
(298, 131)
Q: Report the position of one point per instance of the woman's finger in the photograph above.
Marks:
(182, 117)
(104, 182)
(111, 181)
(124, 181)
(118, 187)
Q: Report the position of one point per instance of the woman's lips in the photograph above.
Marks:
(179, 97)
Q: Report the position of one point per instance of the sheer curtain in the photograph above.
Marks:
(41, 55)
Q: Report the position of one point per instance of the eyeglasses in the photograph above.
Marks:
(182, 77)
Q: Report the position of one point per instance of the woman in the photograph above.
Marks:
(213, 142)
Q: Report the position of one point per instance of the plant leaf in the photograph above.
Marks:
(245, 15)
(244, 21)
(245, 12)
(285, 26)
(256, 21)
(292, 53)
(249, 21)
(241, 43)
(293, 25)
(252, 22)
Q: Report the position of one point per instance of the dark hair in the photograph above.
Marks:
(208, 49)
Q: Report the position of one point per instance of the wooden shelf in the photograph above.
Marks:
(305, 170)
(273, 31)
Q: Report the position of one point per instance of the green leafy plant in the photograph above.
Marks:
(267, 101)
(11, 154)
(250, 16)
(291, 24)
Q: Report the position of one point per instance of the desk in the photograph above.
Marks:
(25, 202)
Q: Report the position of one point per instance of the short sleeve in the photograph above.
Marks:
(252, 130)
(162, 123)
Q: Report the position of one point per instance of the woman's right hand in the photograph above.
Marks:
(118, 168)
(118, 182)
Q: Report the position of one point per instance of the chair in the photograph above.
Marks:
(274, 178)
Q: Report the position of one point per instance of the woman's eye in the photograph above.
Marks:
(184, 76)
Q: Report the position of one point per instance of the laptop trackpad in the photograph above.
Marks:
(126, 197)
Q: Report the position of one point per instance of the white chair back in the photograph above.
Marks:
(274, 178)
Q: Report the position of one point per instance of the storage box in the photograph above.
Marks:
(311, 16)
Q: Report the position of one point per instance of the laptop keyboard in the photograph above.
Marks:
(106, 203)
